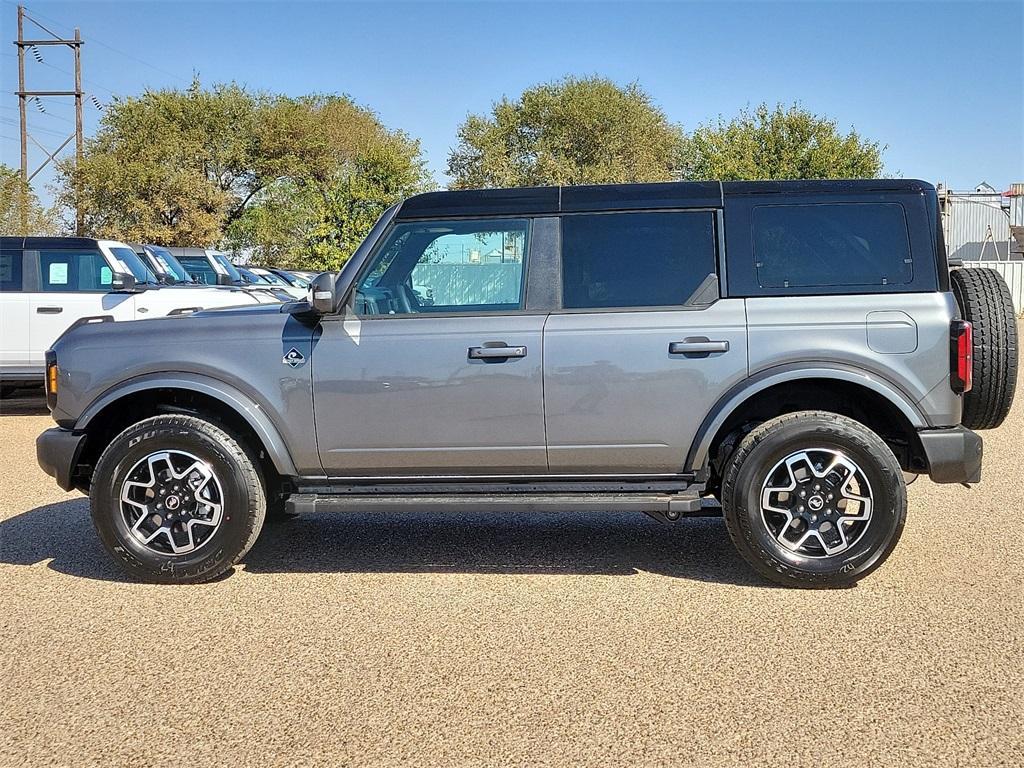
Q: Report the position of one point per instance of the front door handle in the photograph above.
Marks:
(698, 346)
(496, 353)
(49, 310)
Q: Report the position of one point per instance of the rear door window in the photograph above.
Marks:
(636, 259)
(74, 270)
(11, 279)
(831, 244)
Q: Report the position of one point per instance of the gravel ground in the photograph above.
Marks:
(520, 640)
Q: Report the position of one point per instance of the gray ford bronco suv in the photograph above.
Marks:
(784, 354)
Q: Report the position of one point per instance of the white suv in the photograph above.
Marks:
(49, 283)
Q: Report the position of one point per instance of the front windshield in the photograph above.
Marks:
(131, 261)
(170, 264)
(222, 260)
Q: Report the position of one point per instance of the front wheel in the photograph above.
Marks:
(814, 499)
(176, 499)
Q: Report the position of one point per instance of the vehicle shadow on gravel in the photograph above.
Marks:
(31, 404)
(615, 544)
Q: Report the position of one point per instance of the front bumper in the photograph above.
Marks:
(57, 452)
(954, 454)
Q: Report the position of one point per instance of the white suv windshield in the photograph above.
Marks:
(233, 273)
(170, 264)
(131, 261)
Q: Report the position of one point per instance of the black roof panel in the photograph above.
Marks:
(610, 197)
(481, 202)
(528, 201)
(35, 243)
(824, 186)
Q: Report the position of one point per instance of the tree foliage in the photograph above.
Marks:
(21, 213)
(199, 166)
(573, 131)
(778, 143)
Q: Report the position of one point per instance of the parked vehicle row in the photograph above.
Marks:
(49, 284)
(789, 349)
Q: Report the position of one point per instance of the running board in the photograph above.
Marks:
(663, 506)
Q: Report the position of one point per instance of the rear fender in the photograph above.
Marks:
(698, 456)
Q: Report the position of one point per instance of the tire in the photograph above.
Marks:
(984, 300)
(762, 461)
(224, 476)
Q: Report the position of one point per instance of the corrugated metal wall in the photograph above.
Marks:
(1013, 273)
(976, 228)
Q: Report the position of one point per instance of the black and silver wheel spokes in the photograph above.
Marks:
(172, 502)
(816, 502)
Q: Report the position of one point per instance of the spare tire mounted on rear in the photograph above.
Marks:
(984, 300)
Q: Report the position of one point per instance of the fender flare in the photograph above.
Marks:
(698, 456)
(254, 415)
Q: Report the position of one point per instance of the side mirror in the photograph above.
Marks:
(224, 279)
(322, 294)
(122, 281)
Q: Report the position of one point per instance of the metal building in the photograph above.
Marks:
(981, 224)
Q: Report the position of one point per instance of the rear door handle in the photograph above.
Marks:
(697, 347)
(496, 353)
(49, 310)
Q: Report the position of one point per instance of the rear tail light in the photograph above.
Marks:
(961, 357)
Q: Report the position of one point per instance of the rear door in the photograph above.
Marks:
(642, 347)
(15, 314)
(436, 369)
(70, 284)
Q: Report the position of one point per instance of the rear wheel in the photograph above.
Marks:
(984, 299)
(814, 499)
(176, 499)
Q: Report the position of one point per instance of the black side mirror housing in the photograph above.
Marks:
(224, 279)
(323, 297)
(123, 282)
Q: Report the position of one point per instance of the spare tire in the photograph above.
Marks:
(985, 301)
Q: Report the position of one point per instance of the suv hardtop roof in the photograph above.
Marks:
(34, 243)
(623, 197)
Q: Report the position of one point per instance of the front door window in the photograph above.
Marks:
(447, 266)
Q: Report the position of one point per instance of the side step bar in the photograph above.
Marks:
(663, 506)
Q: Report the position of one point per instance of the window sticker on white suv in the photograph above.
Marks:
(58, 273)
(106, 276)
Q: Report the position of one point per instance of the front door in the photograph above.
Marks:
(71, 284)
(436, 369)
(643, 346)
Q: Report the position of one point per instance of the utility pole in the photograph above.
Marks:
(24, 95)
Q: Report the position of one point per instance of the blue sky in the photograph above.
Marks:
(941, 84)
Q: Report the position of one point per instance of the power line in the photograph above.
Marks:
(43, 114)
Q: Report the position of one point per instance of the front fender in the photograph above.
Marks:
(699, 452)
(238, 401)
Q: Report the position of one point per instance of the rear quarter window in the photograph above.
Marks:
(831, 244)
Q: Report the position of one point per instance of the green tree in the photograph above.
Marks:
(778, 143)
(317, 219)
(21, 213)
(198, 166)
(573, 131)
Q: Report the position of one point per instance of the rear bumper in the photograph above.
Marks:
(954, 454)
(57, 452)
